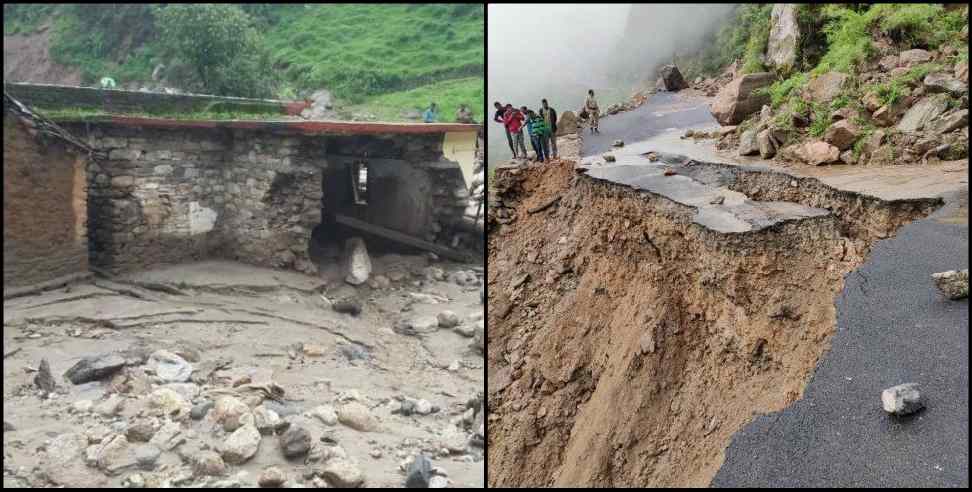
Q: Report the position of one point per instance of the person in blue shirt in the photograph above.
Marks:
(431, 114)
(529, 129)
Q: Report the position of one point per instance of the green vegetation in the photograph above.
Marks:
(447, 95)
(359, 52)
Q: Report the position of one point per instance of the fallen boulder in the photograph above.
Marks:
(842, 134)
(781, 48)
(954, 284)
(94, 368)
(902, 399)
(739, 98)
(941, 82)
(748, 144)
(923, 112)
(911, 57)
(670, 79)
(826, 87)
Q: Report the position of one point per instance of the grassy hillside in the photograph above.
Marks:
(381, 59)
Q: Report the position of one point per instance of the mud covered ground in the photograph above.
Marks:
(371, 391)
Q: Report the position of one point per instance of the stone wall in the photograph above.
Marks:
(44, 209)
(170, 195)
(51, 96)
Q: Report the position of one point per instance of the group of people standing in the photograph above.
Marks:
(541, 126)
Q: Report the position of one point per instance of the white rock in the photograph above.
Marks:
(358, 263)
(170, 367)
(241, 445)
(326, 414)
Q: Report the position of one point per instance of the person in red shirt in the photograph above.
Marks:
(513, 119)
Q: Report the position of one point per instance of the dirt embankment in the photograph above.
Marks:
(26, 58)
(628, 344)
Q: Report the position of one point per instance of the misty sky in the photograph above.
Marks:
(560, 51)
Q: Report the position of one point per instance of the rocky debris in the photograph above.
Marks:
(168, 437)
(468, 330)
(199, 411)
(231, 413)
(826, 87)
(342, 473)
(349, 305)
(923, 112)
(146, 456)
(61, 463)
(888, 63)
(609, 158)
(781, 48)
(272, 477)
(618, 143)
(321, 106)
(670, 79)
(912, 57)
(764, 140)
(110, 407)
(566, 123)
(358, 263)
(207, 464)
(954, 284)
(448, 319)
(842, 134)
(266, 420)
(951, 121)
(169, 367)
(44, 380)
(748, 144)
(814, 152)
(886, 115)
(962, 72)
(419, 473)
(719, 200)
(241, 445)
(295, 441)
(94, 368)
(358, 417)
(942, 82)
(326, 414)
(845, 113)
(739, 98)
(453, 439)
(902, 399)
(847, 157)
(169, 403)
(141, 430)
(115, 454)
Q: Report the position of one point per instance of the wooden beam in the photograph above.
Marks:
(402, 238)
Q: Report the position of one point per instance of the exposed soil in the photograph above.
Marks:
(629, 344)
(235, 323)
(26, 59)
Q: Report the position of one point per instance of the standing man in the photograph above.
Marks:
(513, 120)
(498, 117)
(431, 114)
(540, 134)
(591, 106)
(550, 118)
(529, 129)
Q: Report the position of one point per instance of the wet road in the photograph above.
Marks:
(663, 111)
(893, 327)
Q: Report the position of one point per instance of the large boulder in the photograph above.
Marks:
(942, 82)
(962, 71)
(358, 265)
(814, 153)
(738, 99)
(764, 140)
(923, 112)
(826, 87)
(842, 134)
(747, 143)
(912, 57)
(566, 123)
(951, 121)
(670, 79)
(954, 284)
(781, 50)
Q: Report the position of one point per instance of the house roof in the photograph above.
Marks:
(38, 125)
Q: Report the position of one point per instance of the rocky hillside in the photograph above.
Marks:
(834, 84)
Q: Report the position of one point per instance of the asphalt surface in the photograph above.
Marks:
(663, 111)
(893, 327)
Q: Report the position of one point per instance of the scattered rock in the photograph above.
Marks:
(748, 144)
(951, 121)
(765, 143)
(448, 319)
(618, 143)
(358, 417)
(115, 454)
(911, 57)
(941, 82)
(140, 430)
(739, 98)
(842, 134)
(231, 413)
(146, 456)
(349, 305)
(326, 414)
(903, 399)
(962, 71)
(419, 473)
(170, 403)
(954, 284)
(826, 87)
(671, 79)
(168, 437)
(241, 445)
(266, 420)
(81, 406)
(358, 263)
(781, 48)
(272, 477)
(111, 406)
(94, 368)
(467, 330)
(609, 158)
(208, 464)
(719, 200)
(453, 439)
(847, 157)
(295, 441)
(438, 482)
(888, 63)
(923, 112)
(169, 367)
(199, 411)
(340, 472)
(44, 380)
(815, 152)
